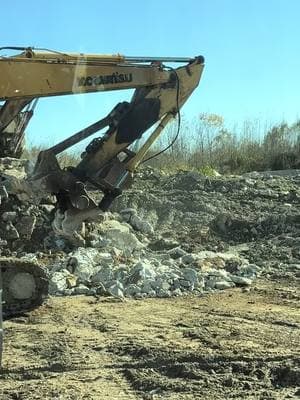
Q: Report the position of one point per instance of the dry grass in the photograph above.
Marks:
(207, 144)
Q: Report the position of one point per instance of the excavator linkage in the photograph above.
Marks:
(108, 162)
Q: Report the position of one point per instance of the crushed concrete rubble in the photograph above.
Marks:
(147, 274)
(167, 236)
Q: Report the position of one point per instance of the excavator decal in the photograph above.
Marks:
(104, 80)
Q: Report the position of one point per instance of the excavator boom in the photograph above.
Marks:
(43, 74)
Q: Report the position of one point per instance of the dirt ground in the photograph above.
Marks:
(236, 344)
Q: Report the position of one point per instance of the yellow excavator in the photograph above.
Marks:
(108, 162)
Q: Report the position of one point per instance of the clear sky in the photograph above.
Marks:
(251, 47)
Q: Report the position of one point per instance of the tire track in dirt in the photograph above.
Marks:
(227, 345)
(59, 361)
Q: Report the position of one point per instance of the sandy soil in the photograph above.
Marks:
(235, 344)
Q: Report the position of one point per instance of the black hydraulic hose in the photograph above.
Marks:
(178, 125)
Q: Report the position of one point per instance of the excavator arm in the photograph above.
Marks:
(108, 162)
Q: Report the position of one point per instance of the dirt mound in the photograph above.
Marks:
(260, 211)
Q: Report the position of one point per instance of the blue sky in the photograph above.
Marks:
(251, 47)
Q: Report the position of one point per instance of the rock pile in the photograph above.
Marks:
(23, 224)
(142, 273)
(167, 236)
